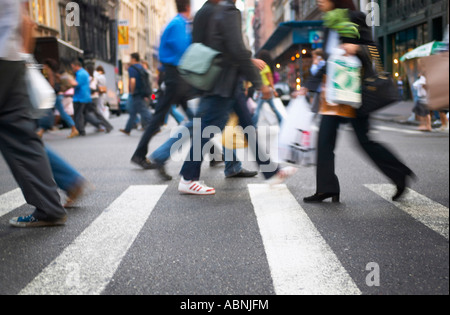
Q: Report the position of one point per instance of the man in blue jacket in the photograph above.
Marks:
(175, 40)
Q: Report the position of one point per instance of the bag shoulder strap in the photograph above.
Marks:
(376, 59)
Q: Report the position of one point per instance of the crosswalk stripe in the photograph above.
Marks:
(407, 131)
(11, 201)
(430, 213)
(300, 260)
(87, 265)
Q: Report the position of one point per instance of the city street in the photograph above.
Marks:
(135, 234)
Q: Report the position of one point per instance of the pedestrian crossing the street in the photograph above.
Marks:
(300, 260)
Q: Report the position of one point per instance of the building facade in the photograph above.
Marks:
(146, 20)
(405, 25)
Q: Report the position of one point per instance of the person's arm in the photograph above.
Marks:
(234, 43)
(132, 85)
(28, 27)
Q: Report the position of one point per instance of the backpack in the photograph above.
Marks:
(146, 88)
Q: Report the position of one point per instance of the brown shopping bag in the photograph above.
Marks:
(436, 72)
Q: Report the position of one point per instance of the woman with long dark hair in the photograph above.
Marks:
(353, 37)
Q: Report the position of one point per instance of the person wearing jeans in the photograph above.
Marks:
(66, 177)
(174, 42)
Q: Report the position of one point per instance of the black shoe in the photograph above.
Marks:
(401, 188)
(243, 174)
(318, 198)
(163, 174)
(144, 163)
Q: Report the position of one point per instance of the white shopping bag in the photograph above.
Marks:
(344, 84)
(41, 93)
(295, 141)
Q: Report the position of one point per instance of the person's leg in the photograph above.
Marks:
(267, 167)
(174, 90)
(23, 150)
(258, 111)
(132, 115)
(99, 116)
(65, 175)
(327, 180)
(383, 158)
(216, 113)
(275, 110)
(144, 112)
(79, 109)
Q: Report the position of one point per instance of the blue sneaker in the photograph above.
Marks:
(30, 221)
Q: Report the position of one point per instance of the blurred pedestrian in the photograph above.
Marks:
(268, 91)
(421, 109)
(176, 39)
(82, 100)
(66, 177)
(20, 145)
(103, 91)
(51, 68)
(136, 100)
(93, 107)
(355, 40)
(223, 33)
(318, 64)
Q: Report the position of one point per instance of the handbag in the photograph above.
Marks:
(378, 90)
(41, 93)
(200, 66)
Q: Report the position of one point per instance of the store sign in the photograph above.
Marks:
(316, 37)
(124, 34)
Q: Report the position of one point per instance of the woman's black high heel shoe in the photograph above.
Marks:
(401, 188)
(319, 197)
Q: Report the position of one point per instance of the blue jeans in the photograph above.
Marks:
(258, 110)
(179, 117)
(137, 106)
(214, 111)
(66, 177)
(162, 154)
(60, 108)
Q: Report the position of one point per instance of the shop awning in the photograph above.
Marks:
(294, 32)
(425, 50)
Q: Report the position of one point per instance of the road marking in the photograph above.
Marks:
(87, 265)
(300, 260)
(430, 213)
(408, 131)
(11, 201)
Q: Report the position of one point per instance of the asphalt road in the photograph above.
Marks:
(135, 234)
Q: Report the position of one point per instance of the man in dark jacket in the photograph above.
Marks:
(219, 27)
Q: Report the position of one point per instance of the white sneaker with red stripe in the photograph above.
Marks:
(195, 188)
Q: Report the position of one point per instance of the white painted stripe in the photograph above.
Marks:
(430, 213)
(87, 265)
(408, 131)
(300, 260)
(11, 201)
